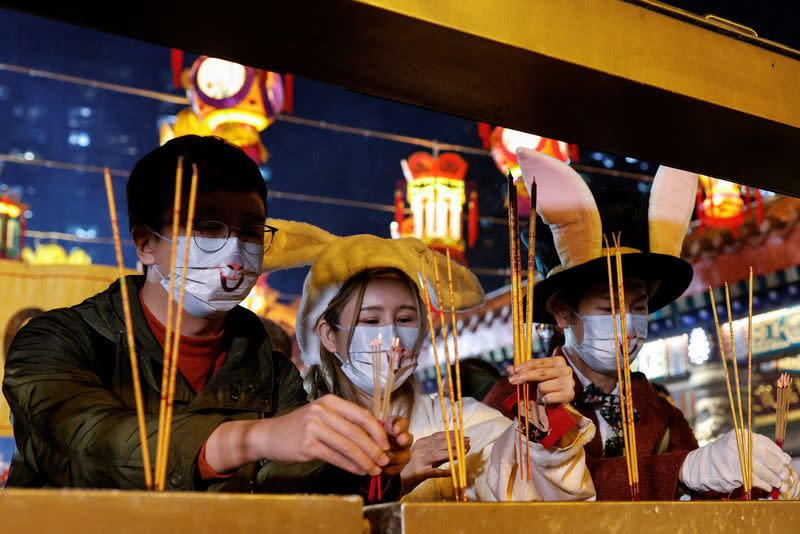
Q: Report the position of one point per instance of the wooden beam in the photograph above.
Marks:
(600, 73)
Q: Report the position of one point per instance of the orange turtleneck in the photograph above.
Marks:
(199, 360)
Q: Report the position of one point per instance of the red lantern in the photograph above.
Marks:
(724, 205)
(504, 143)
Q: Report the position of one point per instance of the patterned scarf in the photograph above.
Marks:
(595, 398)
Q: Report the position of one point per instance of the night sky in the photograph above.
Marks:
(51, 120)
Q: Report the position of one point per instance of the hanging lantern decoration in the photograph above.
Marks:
(436, 193)
(504, 142)
(472, 209)
(724, 205)
(399, 203)
(228, 100)
(12, 227)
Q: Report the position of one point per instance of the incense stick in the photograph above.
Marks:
(782, 408)
(376, 378)
(516, 311)
(622, 404)
(377, 403)
(735, 364)
(750, 382)
(459, 402)
(627, 366)
(126, 311)
(783, 387)
(528, 354)
(425, 290)
(162, 412)
(445, 338)
(727, 378)
(176, 335)
(386, 401)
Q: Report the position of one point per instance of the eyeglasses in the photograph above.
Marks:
(211, 236)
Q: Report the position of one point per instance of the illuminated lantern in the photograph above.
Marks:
(12, 227)
(504, 142)
(54, 254)
(264, 302)
(436, 193)
(228, 100)
(723, 205)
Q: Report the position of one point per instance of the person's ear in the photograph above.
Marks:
(560, 310)
(327, 335)
(144, 240)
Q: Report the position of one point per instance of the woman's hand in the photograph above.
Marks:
(400, 442)
(427, 455)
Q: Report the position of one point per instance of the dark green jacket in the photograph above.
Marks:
(68, 383)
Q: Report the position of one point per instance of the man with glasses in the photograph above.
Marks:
(241, 418)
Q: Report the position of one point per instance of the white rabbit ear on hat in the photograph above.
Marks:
(566, 204)
(295, 244)
(672, 199)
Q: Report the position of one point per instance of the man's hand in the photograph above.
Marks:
(554, 384)
(427, 455)
(329, 429)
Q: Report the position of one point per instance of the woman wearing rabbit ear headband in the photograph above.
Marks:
(360, 287)
(574, 295)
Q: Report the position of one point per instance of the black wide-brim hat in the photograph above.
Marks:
(570, 253)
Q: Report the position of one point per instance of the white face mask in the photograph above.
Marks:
(358, 368)
(216, 282)
(597, 347)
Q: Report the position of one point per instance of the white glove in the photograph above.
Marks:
(716, 467)
(790, 490)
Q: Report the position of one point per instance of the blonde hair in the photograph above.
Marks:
(327, 376)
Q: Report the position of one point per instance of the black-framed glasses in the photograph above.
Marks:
(211, 236)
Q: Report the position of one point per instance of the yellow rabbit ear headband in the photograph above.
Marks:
(334, 260)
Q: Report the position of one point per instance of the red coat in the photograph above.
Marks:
(663, 439)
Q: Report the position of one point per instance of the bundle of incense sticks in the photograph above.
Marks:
(176, 334)
(742, 430)
(126, 310)
(456, 449)
(784, 388)
(174, 320)
(623, 361)
(382, 395)
(522, 317)
(624, 400)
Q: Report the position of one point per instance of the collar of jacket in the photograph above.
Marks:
(245, 381)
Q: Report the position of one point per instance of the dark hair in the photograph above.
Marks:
(17, 321)
(221, 166)
(478, 377)
(278, 337)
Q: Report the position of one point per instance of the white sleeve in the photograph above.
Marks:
(557, 474)
(492, 473)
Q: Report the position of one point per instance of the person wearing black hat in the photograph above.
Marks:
(574, 294)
